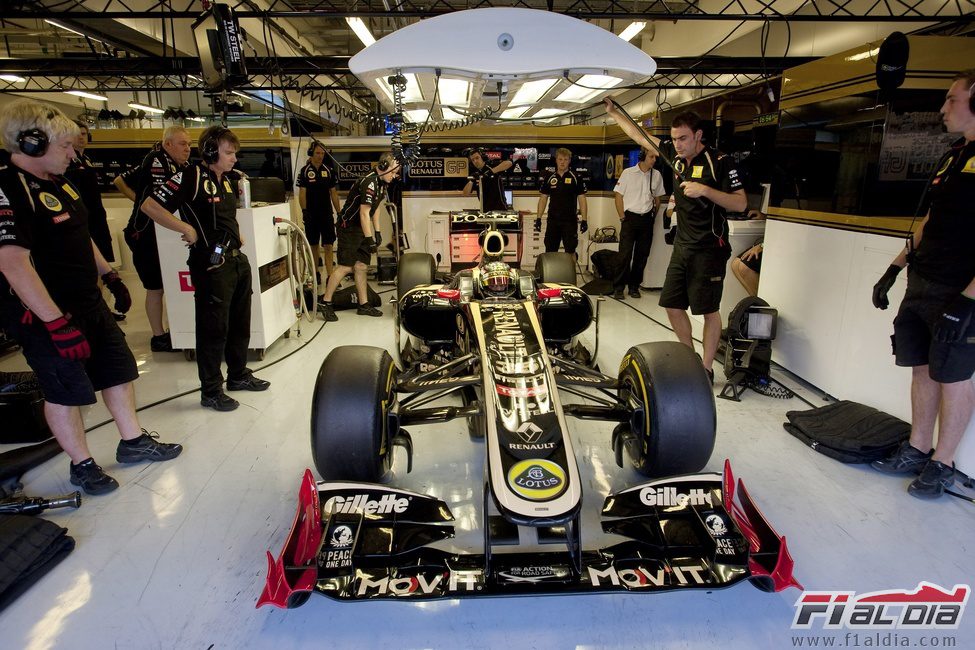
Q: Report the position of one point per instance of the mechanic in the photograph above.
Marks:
(706, 187)
(359, 236)
(317, 196)
(206, 196)
(486, 180)
(83, 176)
(140, 233)
(934, 332)
(637, 195)
(566, 190)
(49, 297)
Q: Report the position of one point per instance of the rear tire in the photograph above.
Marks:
(676, 435)
(414, 269)
(350, 440)
(556, 267)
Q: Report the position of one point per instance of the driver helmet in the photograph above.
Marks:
(496, 279)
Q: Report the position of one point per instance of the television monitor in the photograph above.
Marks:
(218, 44)
(509, 198)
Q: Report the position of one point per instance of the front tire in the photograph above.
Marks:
(666, 382)
(350, 440)
(556, 267)
(414, 269)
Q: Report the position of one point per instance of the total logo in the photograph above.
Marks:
(669, 496)
(418, 585)
(537, 479)
(387, 504)
(928, 607)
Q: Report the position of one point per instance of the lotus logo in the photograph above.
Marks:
(537, 479)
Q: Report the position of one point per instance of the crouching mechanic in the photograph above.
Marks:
(934, 330)
(206, 196)
(49, 297)
(358, 233)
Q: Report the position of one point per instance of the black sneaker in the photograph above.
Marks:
(145, 447)
(219, 402)
(325, 309)
(248, 382)
(161, 343)
(935, 478)
(368, 310)
(634, 292)
(905, 460)
(119, 317)
(618, 294)
(91, 478)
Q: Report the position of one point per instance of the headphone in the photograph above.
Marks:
(210, 147)
(314, 144)
(34, 142)
(384, 163)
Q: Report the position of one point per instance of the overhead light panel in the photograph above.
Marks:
(588, 87)
(531, 91)
(12, 78)
(417, 116)
(451, 114)
(68, 29)
(360, 29)
(514, 112)
(144, 107)
(87, 95)
(632, 30)
(455, 92)
(551, 113)
(412, 92)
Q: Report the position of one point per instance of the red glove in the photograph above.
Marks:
(68, 339)
(123, 301)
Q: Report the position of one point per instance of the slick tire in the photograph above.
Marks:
(667, 383)
(556, 267)
(414, 269)
(352, 398)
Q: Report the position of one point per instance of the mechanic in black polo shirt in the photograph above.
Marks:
(358, 234)
(206, 196)
(83, 176)
(317, 196)
(934, 331)
(566, 190)
(484, 179)
(49, 297)
(140, 233)
(706, 188)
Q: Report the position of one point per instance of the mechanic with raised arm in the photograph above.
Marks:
(566, 190)
(483, 178)
(637, 196)
(49, 297)
(140, 233)
(317, 196)
(205, 194)
(934, 331)
(706, 187)
(359, 236)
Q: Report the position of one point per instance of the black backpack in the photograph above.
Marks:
(848, 432)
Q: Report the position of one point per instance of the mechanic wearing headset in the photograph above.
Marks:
(140, 233)
(317, 196)
(934, 331)
(49, 297)
(706, 187)
(206, 196)
(359, 237)
(566, 189)
(487, 180)
(637, 195)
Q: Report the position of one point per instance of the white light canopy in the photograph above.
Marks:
(87, 95)
(512, 59)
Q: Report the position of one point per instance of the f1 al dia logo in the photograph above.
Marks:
(929, 607)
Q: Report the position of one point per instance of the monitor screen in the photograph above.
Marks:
(761, 326)
(509, 198)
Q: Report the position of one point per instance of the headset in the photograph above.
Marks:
(210, 147)
(470, 151)
(34, 142)
(384, 163)
(314, 144)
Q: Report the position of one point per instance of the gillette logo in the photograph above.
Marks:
(387, 504)
(669, 496)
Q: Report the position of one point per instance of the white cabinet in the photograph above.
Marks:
(438, 240)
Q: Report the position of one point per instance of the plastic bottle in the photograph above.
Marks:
(244, 187)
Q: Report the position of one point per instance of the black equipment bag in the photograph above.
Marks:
(21, 409)
(348, 298)
(29, 548)
(609, 267)
(848, 432)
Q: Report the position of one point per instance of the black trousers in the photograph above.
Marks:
(636, 237)
(223, 319)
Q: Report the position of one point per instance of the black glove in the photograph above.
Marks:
(954, 320)
(883, 285)
(583, 226)
(370, 245)
(378, 236)
(667, 221)
(538, 224)
(123, 301)
(68, 339)
(670, 236)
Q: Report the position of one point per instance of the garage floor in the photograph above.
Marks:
(175, 557)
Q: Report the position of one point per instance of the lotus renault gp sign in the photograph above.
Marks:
(439, 168)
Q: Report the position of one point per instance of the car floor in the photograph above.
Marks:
(175, 558)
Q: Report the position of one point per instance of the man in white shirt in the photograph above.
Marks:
(637, 195)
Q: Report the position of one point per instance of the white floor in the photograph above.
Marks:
(175, 557)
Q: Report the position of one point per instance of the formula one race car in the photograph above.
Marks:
(506, 342)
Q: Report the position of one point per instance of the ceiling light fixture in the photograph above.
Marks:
(73, 31)
(146, 108)
(454, 92)
(417, 116)
(531, 91)
(550, 113)
(514, 112)
(87, 95)
(588, 87)
(12, 78)
(360, 29)
(412, 93)
(632, 30)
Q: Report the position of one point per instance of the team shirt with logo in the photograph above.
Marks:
(368, 190)
(318, 183)
(563, 192)
(702, 223)
(81, 172)
(491, 185)
(946, 253)
(48, 218)
(156, 167)
(205, 203)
